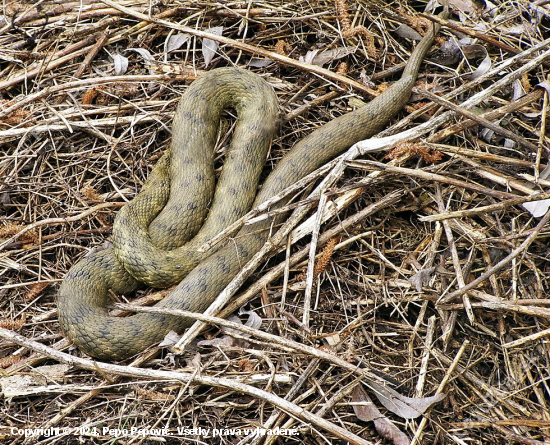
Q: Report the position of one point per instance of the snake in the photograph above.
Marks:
(156, 236)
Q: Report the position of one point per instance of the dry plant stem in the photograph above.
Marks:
(527, 338)
(497, 177)
(31, 98)
(311, 104)
(501, 206)
(322, 72)
(471, 32)
(52, 221)
(311, 262)
(265, 205)
(276, 271)
(433, 177)
(448, 374)
(449, 321)
(425, 356)
(479, 97)
(276, 416)
(501, 264)
(476, 118)
(542, 137)
(495, 304)
(218, 382)
(91, 126)
(490, 157)
(515, 105)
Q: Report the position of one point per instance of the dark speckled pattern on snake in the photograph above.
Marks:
(155, 236)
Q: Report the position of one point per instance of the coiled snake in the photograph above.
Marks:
(155, 237)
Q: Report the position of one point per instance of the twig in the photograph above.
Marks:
(317, 70)
(219, 382)
(500, 265)
(52, 221)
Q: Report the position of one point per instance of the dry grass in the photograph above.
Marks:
(74, 147)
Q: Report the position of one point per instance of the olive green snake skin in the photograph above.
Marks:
(156, 236)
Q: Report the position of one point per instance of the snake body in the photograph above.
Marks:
(155, 237)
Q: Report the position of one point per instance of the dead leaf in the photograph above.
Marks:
(120, 64)
(366, 410)
(324, 57)
(176, 41)
(209, 47)
(419, 279)
(406, 32)
(403, 406)
(169, 339)
(537, 208)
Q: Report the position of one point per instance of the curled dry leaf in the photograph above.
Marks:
(366, 410)
(144, 53)
(321, 58)
(421, 278)
(407, 32)
(170, 339)
(120, 64)
(176, 41)
(209, 47)
(537, 208)
(403, 406)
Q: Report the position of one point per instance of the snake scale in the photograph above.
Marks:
(156, 235)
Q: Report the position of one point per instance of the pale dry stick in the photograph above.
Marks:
(276, 271)
(317, 70)
(485, 391)
(275, 416)
(502, 305)
(52, 221)
(449, 321)
(500, 265)
(490, 157)
(542, 137)
(311, 263)
(428, 342)
(70, 113)
(219, 382)
(476, 118)
(84, 125)
(286, 274)
(484, 209)
(312, 103)
(528, 338)
(441, 387)
(510, 107)
(426, 175)
(278, 238)
(31, 98)
(484, 94)
(231, 229)
(495, 176)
